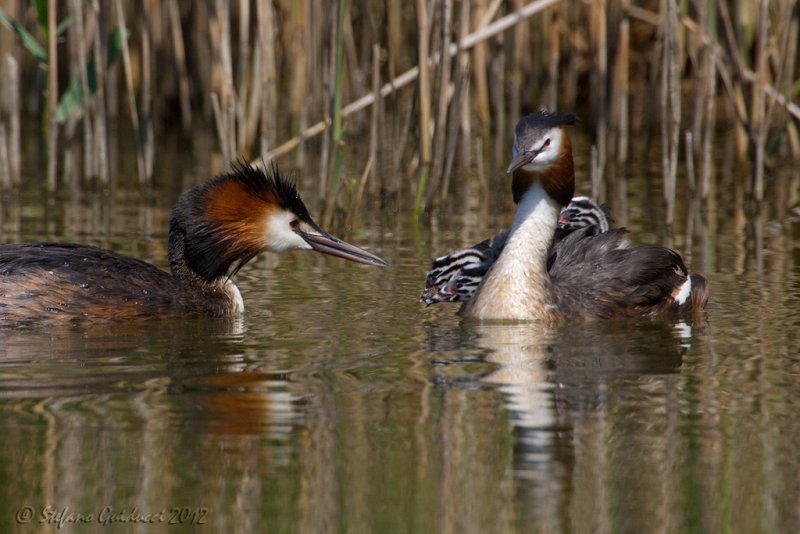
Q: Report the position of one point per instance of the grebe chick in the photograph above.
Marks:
(455, 277)
(592, 276)
(216, 228)
(581, 212)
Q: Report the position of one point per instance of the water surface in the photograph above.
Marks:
(340, 403)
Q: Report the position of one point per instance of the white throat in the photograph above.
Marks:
(228, 287)
(515, 286)
(537, 214)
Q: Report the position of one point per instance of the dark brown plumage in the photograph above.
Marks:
(53, 282)
(594, 275)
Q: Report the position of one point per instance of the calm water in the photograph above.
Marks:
(340, 403)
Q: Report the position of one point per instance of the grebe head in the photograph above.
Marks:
(542, 151)
(220, 225)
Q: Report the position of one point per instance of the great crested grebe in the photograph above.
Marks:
(592, 275)
(454, 277)
(216, 227)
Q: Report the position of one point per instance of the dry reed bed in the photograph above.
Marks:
(445, 80)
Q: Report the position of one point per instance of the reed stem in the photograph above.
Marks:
(241, 75)
(146, 87)
(88, 140)
(689, 150)
(359, 194)
(268, 86)
(622, 87)
(708, 135)
(179, 51)
(13, 106)
(126, 59)
(374, 122)
(100, 149)
(599, 78)
(52, 96)
(338, 130)
(5, 167)
(443, 106)
(423, 29)
(670, 105)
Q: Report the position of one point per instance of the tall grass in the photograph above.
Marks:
(269, 75)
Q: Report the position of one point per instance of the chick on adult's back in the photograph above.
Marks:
(454, 277)
(593, 275)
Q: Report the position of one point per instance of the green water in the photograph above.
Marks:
(340, 403)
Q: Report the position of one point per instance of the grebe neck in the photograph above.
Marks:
(537, 216)
(516, 285)
(219, 293)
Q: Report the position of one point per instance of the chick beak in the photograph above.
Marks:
(429, 293)
(322, 241)
(522, 159)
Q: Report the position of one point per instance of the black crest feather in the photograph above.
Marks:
(270, 185)
(202, 243)
(542, 120)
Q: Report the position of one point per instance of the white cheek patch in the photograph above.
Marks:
(550, 154)
(279, 234)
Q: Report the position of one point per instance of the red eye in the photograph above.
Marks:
(294, 224)
(547, 142)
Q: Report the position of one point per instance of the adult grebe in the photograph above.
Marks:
(216, 227)
(593, 275)
(454, 277)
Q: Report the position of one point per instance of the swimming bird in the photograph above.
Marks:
(593, 275)
(454, 277)
(216, 227)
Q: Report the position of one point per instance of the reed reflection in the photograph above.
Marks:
(155, 414)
